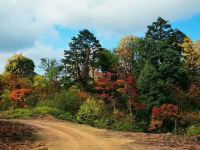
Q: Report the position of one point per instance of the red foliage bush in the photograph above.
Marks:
(162, 114)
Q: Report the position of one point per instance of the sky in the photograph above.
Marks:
(43, 28)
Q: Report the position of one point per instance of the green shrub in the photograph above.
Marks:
(193, 130)
(6, 103)
(31, 100)
(100, 123)
(66, 116)
(123, 125)
(16, 114)
(36, 112)
(123, 122)
(90, 111)
(66, 101)
(44, 111)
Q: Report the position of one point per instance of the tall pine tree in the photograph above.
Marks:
(82, 57)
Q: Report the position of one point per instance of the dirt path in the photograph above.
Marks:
(68, 136)
(57, 135)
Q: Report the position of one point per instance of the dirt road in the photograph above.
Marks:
(68, 136)
(57, 135)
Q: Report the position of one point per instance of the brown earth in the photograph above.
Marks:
(58, 135)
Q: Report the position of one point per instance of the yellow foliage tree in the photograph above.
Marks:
(126, 54)
(191, 55)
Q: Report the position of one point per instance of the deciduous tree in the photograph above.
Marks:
(127, 53)
(20, 66)
(191, 56)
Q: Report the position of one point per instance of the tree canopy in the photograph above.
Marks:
(82, 56)
(20, 66)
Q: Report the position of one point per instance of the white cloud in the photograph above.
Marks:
(24, 21)
(37, 52)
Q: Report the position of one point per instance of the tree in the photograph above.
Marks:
(127, 53)
(41, 86)
(82, 57)
(51, 69)
(150, 86)
(105, 86)
(197, 45)
(12, 82)
(161, 30)
(194, 94)
(160, 66)
(108, 61)
(20, 66)
(191, 56)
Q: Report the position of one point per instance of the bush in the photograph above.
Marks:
(31, 100)
(66, 101)
(113, 122)
(36, 112)
(122, 122)
(5, 104)
(44, 111)
(90, 111)
(67, 116)
(123, 125)
(16, 114)
(18, 96)
(164, 118)
(193, 130)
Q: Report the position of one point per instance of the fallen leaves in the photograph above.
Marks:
(16, 136)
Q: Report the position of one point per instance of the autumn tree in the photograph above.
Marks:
(105, 87)
(191, 56)
(197, 45)
(127, 53)
(12, 82)
(20, 66)
(82, 57)
(41, 86)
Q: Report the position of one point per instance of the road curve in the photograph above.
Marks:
(59, 135)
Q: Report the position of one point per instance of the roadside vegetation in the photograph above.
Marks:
(149, 84)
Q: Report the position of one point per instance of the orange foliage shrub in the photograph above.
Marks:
(12, 82)
(18, 97)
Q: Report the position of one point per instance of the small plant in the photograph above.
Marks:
(193, 130)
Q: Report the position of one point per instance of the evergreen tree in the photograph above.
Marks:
(81, 59)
